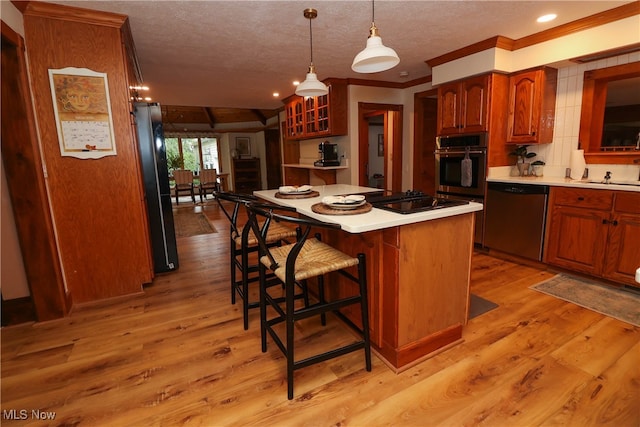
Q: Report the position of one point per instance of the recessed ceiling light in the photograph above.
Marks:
(296, 82)
(276, 94)
(547, 18)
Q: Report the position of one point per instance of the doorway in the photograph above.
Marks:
(424, 141)
(26, 187)
(380, 146)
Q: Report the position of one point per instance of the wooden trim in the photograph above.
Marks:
(602, 18)
(27, 189)
(393, 85)
(594, 95)
(130, 50)
(71, 13)
(497, 41)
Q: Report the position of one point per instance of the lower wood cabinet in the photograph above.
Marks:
(595, 232)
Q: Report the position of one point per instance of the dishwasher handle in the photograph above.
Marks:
(517, 188)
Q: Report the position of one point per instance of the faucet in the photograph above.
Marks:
(607, 177)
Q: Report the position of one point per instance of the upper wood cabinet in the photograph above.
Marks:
(318, 116)
(463, 106)
(532, 104)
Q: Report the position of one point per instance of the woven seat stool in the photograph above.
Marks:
(293, 264)
(243, 242)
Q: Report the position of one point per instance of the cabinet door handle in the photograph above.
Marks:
(614, 222)
(604, 221)
(580, 199)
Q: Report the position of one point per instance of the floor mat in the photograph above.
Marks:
(191, 224)
(613, 302)
(479, 305)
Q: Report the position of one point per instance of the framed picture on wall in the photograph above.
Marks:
(83, 112)
(380, 145)
(243, 145)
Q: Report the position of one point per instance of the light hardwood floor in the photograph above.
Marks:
(178, 355)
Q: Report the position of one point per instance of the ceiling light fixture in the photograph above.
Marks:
(376, 56)
(311, 86)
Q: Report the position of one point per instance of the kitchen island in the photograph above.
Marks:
(418, 271)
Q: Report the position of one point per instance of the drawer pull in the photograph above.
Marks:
(580, 199)
(604, 221)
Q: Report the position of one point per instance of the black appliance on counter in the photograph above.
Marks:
(410, 202)
(328, 155)
(153, 160)
(450, 153)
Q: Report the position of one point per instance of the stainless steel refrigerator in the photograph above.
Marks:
(153, 159)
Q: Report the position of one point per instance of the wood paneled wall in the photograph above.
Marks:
(97, 205)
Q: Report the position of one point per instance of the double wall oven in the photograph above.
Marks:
(452, 174)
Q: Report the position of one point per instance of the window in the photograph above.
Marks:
(192, 153)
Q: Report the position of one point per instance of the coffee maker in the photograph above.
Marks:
(328, 155)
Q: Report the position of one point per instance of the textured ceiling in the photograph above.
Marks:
(237, 53)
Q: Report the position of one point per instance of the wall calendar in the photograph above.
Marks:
(83, 112)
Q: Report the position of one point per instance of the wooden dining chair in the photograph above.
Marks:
(208, 183)
(183, 184)
(243, 243)
(292, 265)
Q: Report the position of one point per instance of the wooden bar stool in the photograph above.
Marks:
(243, 242)
(293, 264)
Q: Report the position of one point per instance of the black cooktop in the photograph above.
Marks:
(411, 202)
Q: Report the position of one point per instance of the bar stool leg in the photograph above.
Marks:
(233, 269)
(323, 315)
(263, 306)
(364, 304)
(245, 286)
(289, 320)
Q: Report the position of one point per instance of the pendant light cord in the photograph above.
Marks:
(311, 40)
(373, 11)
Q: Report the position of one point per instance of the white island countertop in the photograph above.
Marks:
(376, 219)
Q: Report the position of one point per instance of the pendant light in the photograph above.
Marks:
(375, 57)
(311, 86)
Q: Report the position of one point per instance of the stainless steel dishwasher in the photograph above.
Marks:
(515, 215)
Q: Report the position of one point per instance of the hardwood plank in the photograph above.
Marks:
(178, 355)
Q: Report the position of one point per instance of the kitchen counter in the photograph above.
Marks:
(418, 272)
(564, 182)
(376, 219)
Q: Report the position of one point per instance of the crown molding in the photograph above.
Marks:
(608, 16)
